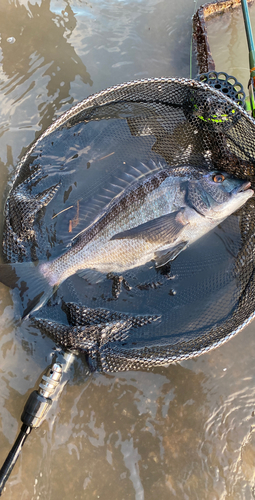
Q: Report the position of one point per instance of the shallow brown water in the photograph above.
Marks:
(179, 432)
(228, 43)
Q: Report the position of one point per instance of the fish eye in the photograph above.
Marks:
(218, 178)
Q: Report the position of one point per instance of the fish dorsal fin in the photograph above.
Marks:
(96, 203)
(164, 256)
(165, 229)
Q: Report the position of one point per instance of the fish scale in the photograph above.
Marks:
(155, 218)
(106, 245)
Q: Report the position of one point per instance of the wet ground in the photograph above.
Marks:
(185, 431)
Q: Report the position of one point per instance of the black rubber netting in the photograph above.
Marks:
(93, 152)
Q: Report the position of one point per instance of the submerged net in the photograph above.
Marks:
(88, 156)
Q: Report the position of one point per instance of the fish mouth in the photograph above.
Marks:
(242, 188)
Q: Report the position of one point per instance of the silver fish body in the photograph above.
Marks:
(153, 219)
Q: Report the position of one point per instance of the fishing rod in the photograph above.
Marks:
(250, 41)
(36, 409)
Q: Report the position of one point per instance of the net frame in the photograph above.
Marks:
(219, 119)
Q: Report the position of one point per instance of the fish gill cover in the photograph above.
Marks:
(130, 139)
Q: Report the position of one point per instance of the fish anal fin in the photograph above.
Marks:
(165, 228)
(33, 287)
(162, 257)
(91, 275)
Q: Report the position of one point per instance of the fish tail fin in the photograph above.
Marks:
(31, 288)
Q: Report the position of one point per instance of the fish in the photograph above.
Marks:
(154, 219)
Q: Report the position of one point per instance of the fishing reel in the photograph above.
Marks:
(227, 84)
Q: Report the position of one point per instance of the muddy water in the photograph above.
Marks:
(228, 43)
(183, 432)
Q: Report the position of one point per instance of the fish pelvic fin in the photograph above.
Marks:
(31, 289)
(162, 257)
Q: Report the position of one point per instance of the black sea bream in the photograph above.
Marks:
(153, 219)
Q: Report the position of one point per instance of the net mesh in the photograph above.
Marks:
(69, 174)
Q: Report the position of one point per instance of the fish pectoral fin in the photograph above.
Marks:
(91, 275)
(165, 228)
(162, 257)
